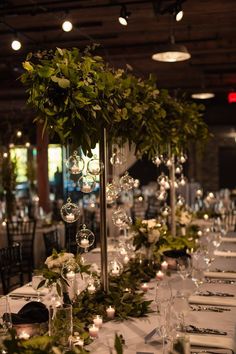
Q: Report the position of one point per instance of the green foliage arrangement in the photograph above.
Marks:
(76, 94)
(47, 345)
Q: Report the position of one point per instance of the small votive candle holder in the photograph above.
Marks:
(164, 265)
(110, 312)
(91, 288)
(98, 321)
(144, 287)
(93, 331)
(159, 275)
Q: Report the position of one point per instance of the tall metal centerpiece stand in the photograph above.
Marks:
(103, 211)
(173, 196)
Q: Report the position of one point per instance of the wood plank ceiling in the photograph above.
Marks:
(208, 30)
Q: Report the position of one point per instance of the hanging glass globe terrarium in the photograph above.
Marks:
(94, 166)
(157, 160)
(115, 267)
(126, 182)
(87, 183)
(85, 238)
(75, 164)
(117, 158)
(111, 193)
(70, 212)
(120, 218)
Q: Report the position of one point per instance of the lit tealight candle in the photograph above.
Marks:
(84, 243)
(86, 188)
(91, 289)
(98, 321)
(70, 275)
(75, 170)
(205, 216)
(164, 265)
(110, 312)
(144, 287)
(93, 331)
(126, 259)
(70, 217)
(24, 335)
(119, 222)
(199, 233)
(159, 275)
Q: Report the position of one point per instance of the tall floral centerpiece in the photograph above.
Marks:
(60, 270)
(78, 96)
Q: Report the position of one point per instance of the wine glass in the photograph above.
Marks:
(36, 280)
(5, 315)
(183, 266)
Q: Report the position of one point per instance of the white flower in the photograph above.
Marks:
(57, 263)
(153, 236)
(150, 223)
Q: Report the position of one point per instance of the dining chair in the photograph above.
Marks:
(51, 241)
(23, 232)
(11, 267)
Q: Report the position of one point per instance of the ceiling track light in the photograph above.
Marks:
(178, 12)
(124, 15)
(172, 52)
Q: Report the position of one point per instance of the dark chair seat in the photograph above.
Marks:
(51, 241)
(24, 233)
(11, 267)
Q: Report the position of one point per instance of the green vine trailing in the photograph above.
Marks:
(76, 93)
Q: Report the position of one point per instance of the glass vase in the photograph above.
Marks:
(61, 323)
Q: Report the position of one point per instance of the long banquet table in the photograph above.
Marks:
(135, 330)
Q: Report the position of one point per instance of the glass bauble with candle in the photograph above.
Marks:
(95, 166)
(70, 212)
(111, 193)
(87, 183)
(115, 267)
(165, 211)
(182, 180)
(178, 169)
(85, 238)
(75, 164)
(126, 182)
(182, 158)
(163, 180)
(119, 218)
(117, 158)
(157, 160)
(161, 194)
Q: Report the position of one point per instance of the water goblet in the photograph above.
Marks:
(36, 280)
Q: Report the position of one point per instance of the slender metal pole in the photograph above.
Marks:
(103, 211)
(172, 197)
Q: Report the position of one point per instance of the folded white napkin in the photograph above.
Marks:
(27, 290)
(212, 300)
(223, 275)
(225, 253)
(228, 239)
(212, 341)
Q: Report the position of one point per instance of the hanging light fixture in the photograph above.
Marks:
(67, 26)
(204, 95)
(124, 15)
(172, 52)
(16, 44)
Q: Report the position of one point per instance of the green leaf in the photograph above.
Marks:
(27, 66)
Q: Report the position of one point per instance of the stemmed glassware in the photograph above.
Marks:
(5, 315)
(36, 280)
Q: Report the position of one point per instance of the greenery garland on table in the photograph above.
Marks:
(76, 93)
